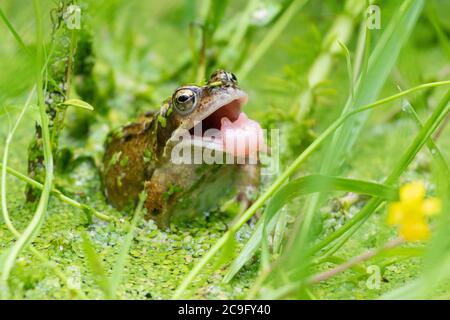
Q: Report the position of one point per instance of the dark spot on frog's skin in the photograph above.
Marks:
(108, 139)
(148, 124)
(127, 137)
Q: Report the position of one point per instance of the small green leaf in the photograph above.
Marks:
(78, 104)
(227, 251)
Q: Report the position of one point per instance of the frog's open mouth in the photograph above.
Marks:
(226, 128)
(229, 111)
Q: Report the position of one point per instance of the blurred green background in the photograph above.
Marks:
(143, 50)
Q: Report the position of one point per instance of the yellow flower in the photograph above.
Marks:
(412, 210)
(415, 230)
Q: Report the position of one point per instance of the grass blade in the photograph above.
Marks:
(13, 31)
(117, 273)
(420, 139)
(95, 265)
(380, 64)
(33, 228)
(368, 86)
(77, 103)
(294, 189)
(270, 37)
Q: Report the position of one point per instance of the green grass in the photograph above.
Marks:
(310, 70)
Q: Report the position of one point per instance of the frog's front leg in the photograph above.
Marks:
(164, 188)
(124, 166)
(156, 203)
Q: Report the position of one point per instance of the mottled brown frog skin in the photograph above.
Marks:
(137, 156)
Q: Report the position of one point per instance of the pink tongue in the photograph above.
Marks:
(243, 137)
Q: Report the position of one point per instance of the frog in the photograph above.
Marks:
(139, 156)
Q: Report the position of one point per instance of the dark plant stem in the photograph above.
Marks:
(354, 261)
(56, 90)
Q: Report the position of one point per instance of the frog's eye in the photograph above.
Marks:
(232, 77)
(185, 100)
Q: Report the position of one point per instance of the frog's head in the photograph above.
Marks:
(213, 109)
